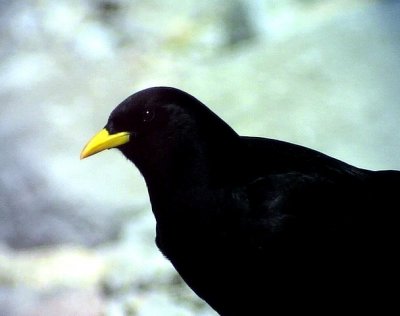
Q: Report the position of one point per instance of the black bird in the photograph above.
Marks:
(257, 226)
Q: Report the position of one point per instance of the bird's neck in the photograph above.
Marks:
(193, 168)
(184, 178)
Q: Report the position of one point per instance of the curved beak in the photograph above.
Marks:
(104, 140)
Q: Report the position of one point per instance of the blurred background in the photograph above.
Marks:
(77, 237)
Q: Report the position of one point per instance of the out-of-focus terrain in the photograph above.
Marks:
(77, 237)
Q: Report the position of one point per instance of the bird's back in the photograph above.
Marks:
(333, 227)
(299, 229)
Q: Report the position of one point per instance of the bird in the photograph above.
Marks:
(258, 226)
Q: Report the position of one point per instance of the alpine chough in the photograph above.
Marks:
(258, 226)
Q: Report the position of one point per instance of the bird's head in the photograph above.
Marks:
(157, 125)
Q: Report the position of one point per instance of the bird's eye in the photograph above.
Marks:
(148, 115)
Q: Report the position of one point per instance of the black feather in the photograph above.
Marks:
(258, 226)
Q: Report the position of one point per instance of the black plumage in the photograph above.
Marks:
(258, 226)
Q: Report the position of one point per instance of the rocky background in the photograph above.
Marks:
(77, 237)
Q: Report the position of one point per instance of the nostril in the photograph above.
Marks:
(111, 127)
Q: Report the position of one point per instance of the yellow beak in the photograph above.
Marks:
(104, 140)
